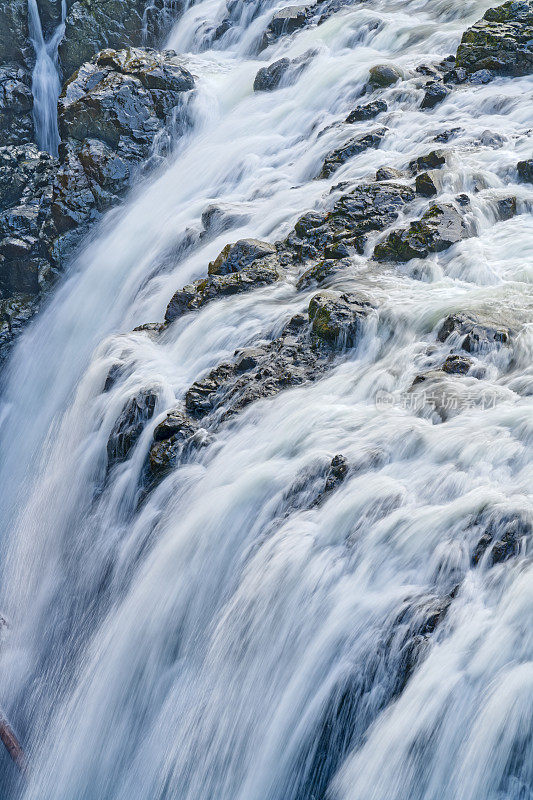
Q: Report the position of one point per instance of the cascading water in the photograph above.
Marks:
(46, 82)
(227, 636)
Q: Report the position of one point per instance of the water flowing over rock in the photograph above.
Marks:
(265, 450)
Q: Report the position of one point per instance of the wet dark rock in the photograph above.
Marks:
(318, 273)
(235, 257)
(439, 228)
(368, 111)
(130, 425)
(457, 365)
(92, 25)
(435, 94)
(109, 114)
(353, 147)
(15, 312)
(501, 43)
(336, 318)
(525, 170)
(473, 334)
(269, 78)
(425, 185)
(172, 438)
(369, 207)
(13, 30)
(506, 208)
(261, 272)
(16, 105)
(383, 75)
(284, 22)
(503, 535)
(445, 136)
(285, 71)
(481, 77)
(432, 160)
(295, 357)
(389, 174)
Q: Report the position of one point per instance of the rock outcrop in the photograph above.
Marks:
(438, 229)
(94, 25)
(301, 354)
(353, 147)
(501, 42)
(110, 113)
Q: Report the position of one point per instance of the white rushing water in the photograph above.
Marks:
(225, 638)
(46, 82)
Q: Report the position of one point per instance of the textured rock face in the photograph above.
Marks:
(368, 111)
(93, 25)
(370, 207)
(25, 196)
(302, 353)
(338, 157)
(501, 42)
(474, 335)
(240, 267)
(439, 228)
(109, 114)
(16, 104)
(285, 21)
(13, 30)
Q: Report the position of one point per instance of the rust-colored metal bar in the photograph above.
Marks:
(11, 743)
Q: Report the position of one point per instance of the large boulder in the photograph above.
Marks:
(439, 228)
(369, 207)
(501, 42)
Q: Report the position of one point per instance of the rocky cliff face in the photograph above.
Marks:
(93, 25)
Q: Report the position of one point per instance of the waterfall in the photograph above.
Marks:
(46, 82)
(230, 634)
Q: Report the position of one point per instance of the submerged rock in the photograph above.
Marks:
(285, 21)
(474, 334)
(501, 42)
(353, 147)
(503, 536)
(130, 425)
(439, 228)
